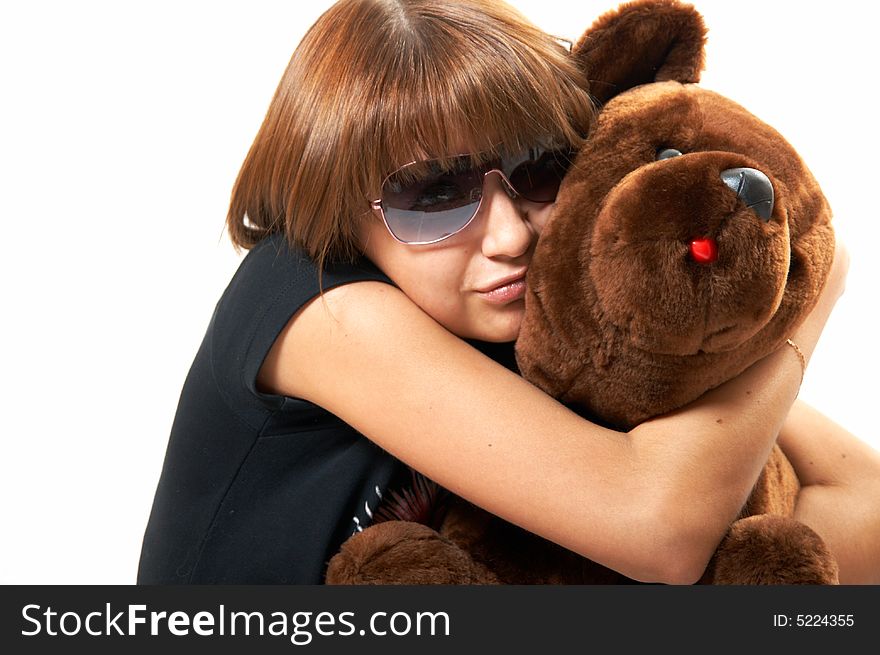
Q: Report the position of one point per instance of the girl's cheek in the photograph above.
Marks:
(539, 217)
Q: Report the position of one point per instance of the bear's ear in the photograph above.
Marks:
(641, 42)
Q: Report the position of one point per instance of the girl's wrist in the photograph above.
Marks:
(807, 334)
(802, 359)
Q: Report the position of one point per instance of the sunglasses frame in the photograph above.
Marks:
(508, 187)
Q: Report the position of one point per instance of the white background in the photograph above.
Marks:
(122, 127)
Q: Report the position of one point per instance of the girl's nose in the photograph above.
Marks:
(506, 229)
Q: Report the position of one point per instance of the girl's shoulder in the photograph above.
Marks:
(275, 269)
(272, 284)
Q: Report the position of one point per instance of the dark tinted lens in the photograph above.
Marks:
(537, 179)
(424, 227)
(426, 202)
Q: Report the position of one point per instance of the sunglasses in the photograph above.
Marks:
(428, 201)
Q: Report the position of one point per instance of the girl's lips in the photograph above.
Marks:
(507, 292)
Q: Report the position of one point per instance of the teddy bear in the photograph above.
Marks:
(687, 241)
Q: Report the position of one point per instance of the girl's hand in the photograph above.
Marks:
(807, 334)
(840, 490)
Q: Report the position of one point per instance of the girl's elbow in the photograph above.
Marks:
(678, 564)
(682, 548)
(684, 565)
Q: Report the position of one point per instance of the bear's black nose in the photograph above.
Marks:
(752, 187)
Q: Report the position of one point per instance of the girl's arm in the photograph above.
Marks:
(652, 504)
(708, 446)
(840, 494)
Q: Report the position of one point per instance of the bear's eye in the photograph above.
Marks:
(668, 153)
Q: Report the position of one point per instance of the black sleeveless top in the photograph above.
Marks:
(258, 488)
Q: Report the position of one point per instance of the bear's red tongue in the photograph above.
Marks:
(704, 251)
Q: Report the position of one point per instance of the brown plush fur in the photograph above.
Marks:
(652, 330)
(622, 324)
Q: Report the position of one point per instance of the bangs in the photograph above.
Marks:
(485, 95)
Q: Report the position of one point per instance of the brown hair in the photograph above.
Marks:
(373, 84)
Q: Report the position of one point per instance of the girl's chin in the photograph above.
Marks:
(503, 326)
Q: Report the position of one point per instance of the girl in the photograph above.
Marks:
(371, 325)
